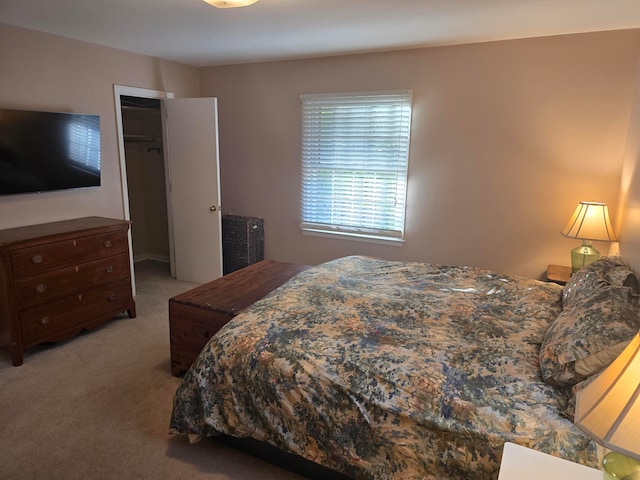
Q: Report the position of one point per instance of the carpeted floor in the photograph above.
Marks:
(98, 406)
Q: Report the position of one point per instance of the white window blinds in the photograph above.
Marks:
(355, 151)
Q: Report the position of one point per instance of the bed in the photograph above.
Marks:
(382, 369)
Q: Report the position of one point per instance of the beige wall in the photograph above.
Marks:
(628, 221)
(45, 72)
(507, 137)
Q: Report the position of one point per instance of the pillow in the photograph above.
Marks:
(604, 271)
(569, 410)
(588, 335)
(623, 276)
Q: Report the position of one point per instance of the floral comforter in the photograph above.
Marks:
(386, 370)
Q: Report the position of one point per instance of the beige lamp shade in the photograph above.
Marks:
(608, 409)
(230, 3)
(590, 221)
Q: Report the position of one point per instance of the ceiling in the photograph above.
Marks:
(195, 33)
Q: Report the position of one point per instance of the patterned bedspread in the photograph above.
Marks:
(387, 370)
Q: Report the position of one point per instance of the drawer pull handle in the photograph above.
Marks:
(37, 259)
(109, 269)
(41, 288)
(107, 243)
(112, 297)
(44, 321)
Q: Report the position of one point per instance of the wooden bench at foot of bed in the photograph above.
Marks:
(196, 315)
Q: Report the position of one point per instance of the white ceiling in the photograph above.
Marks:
(195, 33)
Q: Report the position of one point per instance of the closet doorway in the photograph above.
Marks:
(144, 158)
(144, 179)
(170, 180)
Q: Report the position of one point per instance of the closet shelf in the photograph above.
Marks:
(142, 139)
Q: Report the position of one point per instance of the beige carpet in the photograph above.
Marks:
(98, 406)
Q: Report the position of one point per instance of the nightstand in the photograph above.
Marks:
(521, 463)
(558, 274)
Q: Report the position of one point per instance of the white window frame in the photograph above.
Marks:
(360, 141)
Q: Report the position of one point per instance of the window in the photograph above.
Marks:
(355, 151)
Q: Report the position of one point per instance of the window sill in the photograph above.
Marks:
(396, 242)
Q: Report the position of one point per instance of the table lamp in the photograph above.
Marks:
(608, 409)
(590, 221)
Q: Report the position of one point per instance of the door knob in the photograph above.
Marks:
(213, 208)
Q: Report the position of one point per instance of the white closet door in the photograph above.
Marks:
(194, 182)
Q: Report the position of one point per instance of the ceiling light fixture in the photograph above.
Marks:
(230, 3)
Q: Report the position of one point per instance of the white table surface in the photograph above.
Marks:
(521, 463)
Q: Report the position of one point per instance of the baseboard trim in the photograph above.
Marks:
(150, 256)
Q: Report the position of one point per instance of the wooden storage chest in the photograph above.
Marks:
(196, 315)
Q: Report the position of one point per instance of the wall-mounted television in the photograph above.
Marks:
(45, 151)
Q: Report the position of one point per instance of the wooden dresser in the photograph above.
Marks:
(57, 279)
(196, 315)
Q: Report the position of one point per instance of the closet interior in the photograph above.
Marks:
(146, 184)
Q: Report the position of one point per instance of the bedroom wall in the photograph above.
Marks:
(51, 73)
(507, 137)
(628, 218)
(502, 131)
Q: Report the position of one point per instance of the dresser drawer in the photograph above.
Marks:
(46, 257)
(70, 280)
(47, 321)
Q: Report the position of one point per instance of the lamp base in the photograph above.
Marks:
(583, 255)
(617, 466)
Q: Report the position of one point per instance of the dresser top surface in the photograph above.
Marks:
(77, 225)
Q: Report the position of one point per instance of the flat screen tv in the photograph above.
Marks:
(45, 151)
